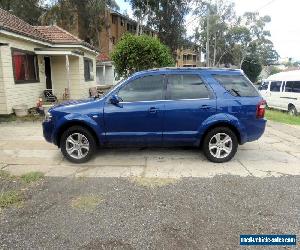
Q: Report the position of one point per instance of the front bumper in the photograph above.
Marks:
(48, 128)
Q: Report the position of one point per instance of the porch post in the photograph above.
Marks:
(68, 75)
(104, 73)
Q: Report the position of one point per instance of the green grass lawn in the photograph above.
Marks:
(283, 117)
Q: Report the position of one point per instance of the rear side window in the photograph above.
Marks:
(237, 85)
(292, 86)
(148, 88)
(289, 87)
(275, 86)
(186, 87)
(296, 87)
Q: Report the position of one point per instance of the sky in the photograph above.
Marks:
(284, 27)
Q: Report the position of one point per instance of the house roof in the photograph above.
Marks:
(57, 35)
(103, 57)
(14, 24)
(52, 34)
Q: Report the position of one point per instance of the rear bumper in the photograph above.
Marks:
(256, 129)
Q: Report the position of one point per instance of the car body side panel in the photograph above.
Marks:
(72, 119)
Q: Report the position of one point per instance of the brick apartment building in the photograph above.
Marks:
(186, 57)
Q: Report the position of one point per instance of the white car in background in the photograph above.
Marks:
(282, 91)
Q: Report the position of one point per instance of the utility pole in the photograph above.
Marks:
(207, 36)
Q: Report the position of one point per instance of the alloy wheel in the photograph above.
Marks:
(220, 145)
(77, 145)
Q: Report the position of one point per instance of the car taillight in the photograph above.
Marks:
(260, 110)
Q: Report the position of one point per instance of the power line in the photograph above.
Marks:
(265, 5)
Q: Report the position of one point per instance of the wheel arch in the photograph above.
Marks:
(222, 124)
(73, 123)
(291, 105)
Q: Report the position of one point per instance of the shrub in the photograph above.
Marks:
(135, 53)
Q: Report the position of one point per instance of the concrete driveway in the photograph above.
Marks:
(23, 149)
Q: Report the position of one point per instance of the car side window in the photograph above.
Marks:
(289, 86)
(186, 87)
(275, 86)
(237, 85)
(147, 88)
(296, 87)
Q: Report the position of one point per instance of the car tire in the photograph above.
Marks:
(77, 144)
(292, 110)
(220, 144)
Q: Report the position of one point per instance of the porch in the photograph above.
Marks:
(65, 73)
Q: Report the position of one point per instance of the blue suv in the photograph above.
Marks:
(216, 109)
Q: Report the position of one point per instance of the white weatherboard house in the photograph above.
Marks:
(35, 58)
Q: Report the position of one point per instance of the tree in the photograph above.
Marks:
(135, 53)
(214, 19)
(232, 38)
(252, 68)
(90, 15)
(141, 10)
(27, 10)
(167, 17)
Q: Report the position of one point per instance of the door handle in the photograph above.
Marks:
(153, 110)
(205, 107)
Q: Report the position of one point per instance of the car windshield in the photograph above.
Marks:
(108, 91)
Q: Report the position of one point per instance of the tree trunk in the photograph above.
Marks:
(215, 51)
(241, 62)
(137, 32)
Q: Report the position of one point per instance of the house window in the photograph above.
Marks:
(88, 70)
(113, 40)
(25, 65)
(122, 22)
(114, 19)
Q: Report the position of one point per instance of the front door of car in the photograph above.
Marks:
(138, 118)
(189, 102)
(275, 93)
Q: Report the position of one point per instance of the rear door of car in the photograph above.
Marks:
(291, 94)
(238, 97)
(189, 101)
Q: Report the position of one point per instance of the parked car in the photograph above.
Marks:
(217, 109)
(282, 91)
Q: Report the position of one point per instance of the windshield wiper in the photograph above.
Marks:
(236, 92)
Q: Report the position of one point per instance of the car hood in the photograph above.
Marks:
(79, 106)
(73, 102)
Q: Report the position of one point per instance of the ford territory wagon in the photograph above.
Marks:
(215, 109)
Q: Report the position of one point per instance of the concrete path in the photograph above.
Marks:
(23, 149)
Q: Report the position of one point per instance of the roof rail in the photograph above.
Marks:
(193, 68)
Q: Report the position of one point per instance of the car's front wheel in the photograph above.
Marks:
(77, 144)
(220, 144)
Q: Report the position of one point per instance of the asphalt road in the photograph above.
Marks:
(186, 213)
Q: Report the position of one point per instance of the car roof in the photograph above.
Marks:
(293, 75)
(190, 69)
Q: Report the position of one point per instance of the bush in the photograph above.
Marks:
(135, 53)
(252, 68)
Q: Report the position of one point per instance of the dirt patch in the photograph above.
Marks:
(86, 203)
(153, 182)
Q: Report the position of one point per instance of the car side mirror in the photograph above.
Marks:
(115, 100)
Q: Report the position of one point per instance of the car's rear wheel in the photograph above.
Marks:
(77, 144)
(292, 110)
(220, 144)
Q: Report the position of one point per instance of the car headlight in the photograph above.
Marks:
(48, 116)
